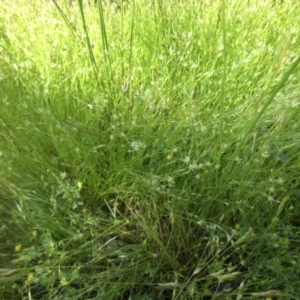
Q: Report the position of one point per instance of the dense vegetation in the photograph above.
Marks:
(149, 150)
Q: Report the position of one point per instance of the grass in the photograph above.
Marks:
(149, 150)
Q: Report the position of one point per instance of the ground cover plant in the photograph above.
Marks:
(149, 150)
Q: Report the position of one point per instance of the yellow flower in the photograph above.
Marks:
(52, 248)
(29, 277)
(34, 233)
(18, 247)
(79, 184)
(64, 281)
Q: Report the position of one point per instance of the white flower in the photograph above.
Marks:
(265, 154)
(170, 180)
(186, 159)
(136, 145)
(124, 88)
(280, 180)
(193, 166)
(63, 175)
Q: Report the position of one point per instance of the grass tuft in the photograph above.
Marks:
(149, 150)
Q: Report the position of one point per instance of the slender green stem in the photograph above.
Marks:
(224, 74)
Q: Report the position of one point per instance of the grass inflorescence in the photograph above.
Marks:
(149, 149)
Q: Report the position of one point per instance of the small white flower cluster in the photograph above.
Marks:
(137, 145)
(196, 166)
(272, 191)
(63, 175)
